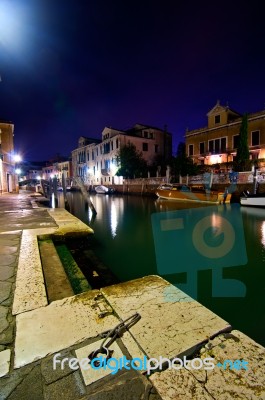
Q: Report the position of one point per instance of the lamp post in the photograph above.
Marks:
(17, 159)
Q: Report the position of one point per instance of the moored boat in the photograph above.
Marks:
(252, 200)
(181, 192)
(101, 189)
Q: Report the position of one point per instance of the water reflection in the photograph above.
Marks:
(125, 242)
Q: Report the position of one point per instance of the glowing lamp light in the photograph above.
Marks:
(51, 176)
(18, 171)
(17, 158)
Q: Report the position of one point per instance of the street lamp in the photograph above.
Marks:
(17, 159)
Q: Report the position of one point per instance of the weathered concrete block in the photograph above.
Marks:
(170, 325)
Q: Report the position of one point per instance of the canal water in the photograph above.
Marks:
(216, 254)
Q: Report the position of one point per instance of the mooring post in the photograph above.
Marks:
(86, 196)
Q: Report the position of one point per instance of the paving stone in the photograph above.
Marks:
(69, 388)
(4, 362)
(7, 259)
(127, 386)
(60, 325)
(10, 382)
(49, 373)
(30, 387)
(6, 273)
(3, 318)
(89, 374)
(5, 289)
(10, 239)
(7, 336)
(8, 249)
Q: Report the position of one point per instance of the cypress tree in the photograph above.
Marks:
(242, 162)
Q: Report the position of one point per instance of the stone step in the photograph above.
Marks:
(56, 281)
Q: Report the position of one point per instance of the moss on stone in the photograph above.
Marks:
(77, 279)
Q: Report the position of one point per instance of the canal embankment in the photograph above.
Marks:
(173, 329)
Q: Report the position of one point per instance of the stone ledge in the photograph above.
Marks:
(218, 383)
(171, 322)
(30, 290)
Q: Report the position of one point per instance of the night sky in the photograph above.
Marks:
(71, 67)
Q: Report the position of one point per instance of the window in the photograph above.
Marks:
(211, 146)
(145, 134)
(255, 138)
(217, 146)
(202, 150)
(156, 148)
(145, 146)
(235, 141)
(190, 149)
(117, 143)
(223, 144)
(217, 119)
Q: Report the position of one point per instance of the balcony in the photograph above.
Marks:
(105, 172)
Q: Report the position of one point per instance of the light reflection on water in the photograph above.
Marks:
(125, 243)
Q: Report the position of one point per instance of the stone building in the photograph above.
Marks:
(95, 161)
(218, 141)
(8, 178)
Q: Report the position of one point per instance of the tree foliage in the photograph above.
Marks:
(182, 164)
(242, 162)
(131, 163)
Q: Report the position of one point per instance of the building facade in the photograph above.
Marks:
(8, 177)
(218, 142)
(57, 169)
(96, 161)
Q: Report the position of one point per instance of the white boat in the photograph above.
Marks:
(103, 189)
(252, 200)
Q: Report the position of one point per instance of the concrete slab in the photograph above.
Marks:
(167, 328)
(221, 382)
(68, 224)
(57, 283)
(4, 362)
(181, 384)
(30, 290)
(225, 383)
(89, 374)
(25, 219)
(61, 324)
